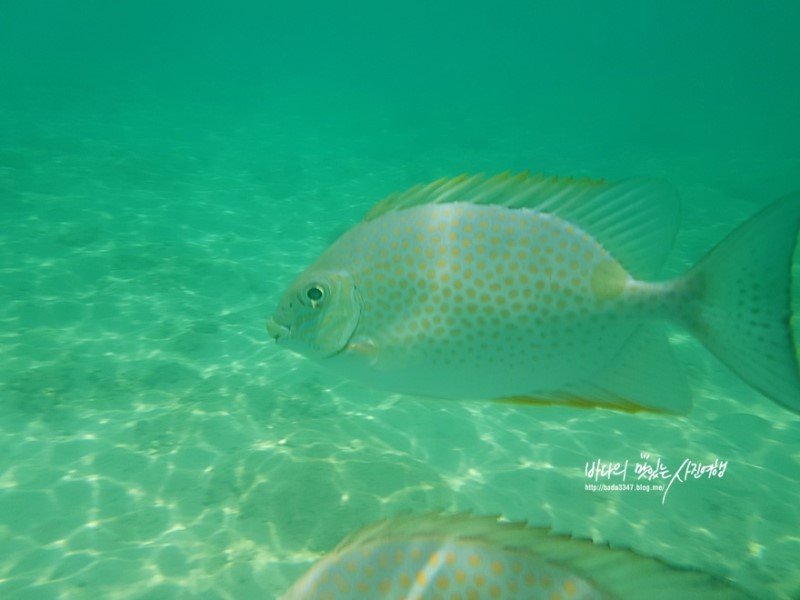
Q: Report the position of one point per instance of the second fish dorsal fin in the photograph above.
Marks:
(615, 572)
(636, 220)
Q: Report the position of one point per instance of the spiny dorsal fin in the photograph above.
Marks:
(636, 220)
(618, 572)
(505, 189)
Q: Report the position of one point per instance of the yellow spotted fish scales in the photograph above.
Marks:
(462, 557)
(541, 290)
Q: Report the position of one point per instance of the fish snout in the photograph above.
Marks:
(276, 330)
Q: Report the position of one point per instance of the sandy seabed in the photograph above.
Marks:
(154, 443)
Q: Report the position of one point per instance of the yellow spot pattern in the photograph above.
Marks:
(458, 571)
(496, 292)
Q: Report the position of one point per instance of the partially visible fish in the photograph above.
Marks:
(461, 557)
(539, 290)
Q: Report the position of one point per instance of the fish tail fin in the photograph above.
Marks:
(742, 301)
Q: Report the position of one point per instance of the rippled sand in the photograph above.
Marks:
(154, 443)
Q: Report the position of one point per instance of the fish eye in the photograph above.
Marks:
(314, 293)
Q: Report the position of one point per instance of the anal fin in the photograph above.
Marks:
(574, 401)
(644, 377)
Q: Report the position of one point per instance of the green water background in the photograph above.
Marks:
(167, 167)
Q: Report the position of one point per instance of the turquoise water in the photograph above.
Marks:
(167, 168)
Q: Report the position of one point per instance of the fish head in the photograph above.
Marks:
(317, 314)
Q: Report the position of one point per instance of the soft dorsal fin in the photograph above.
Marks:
(636, 220)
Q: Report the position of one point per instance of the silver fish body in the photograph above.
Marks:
(462, 557)
(515, 288)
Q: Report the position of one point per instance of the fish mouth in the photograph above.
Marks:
(276, 330)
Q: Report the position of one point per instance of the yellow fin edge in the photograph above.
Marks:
(506, 188)
(616, 403)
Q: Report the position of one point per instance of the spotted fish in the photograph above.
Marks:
(461, 557)
(543, 290)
